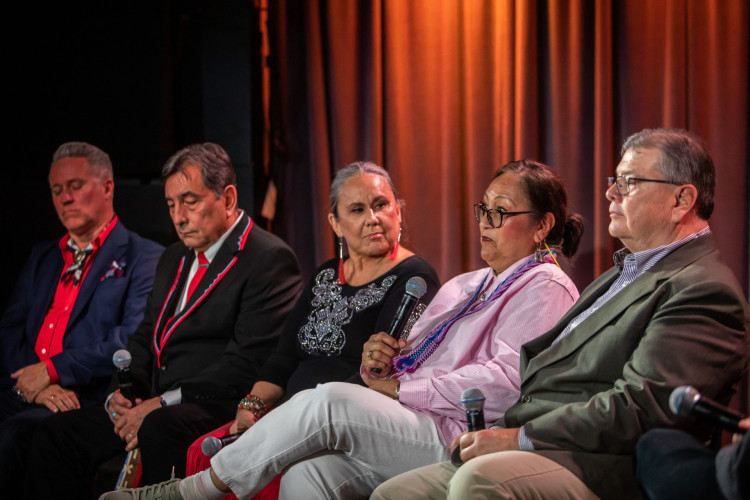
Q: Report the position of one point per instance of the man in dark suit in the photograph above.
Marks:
(218, 303)
(77, 300)
(670, 313)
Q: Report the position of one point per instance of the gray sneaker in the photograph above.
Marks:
(167, 490)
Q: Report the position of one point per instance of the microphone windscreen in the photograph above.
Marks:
(472, 399)
(416, 287)
(121, 359)
(211, 446)
(683, 399)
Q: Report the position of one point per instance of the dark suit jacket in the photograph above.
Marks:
(106, 312)
(215, 346)
(586, 400)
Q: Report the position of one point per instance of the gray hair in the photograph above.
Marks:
(349, 171)
(98, 160)
(216, 168)
(683, 159)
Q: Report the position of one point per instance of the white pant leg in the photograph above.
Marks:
(330, 474)
(373, 429)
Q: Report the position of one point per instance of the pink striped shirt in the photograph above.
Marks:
(482, 350)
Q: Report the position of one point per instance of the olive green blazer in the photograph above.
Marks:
(586, 400)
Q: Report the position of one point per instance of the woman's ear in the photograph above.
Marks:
(335, 225)
(543, 227)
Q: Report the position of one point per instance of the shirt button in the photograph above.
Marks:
(66, 308)
(44, 351)
(51, 325)
(526, 399)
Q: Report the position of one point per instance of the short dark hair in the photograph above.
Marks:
(546, 193)
(683, 159)
(216, 168)
(98, 160)
(349, 171)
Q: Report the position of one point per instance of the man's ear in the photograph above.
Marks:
(230, 199)
(685, 199)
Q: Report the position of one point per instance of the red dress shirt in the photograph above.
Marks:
(49, 342)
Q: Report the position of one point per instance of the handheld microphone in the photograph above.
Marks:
(212, 445)
(121, 360)
(473, 402)
(416, 287)
(686, 401)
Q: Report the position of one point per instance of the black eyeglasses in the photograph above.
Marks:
(622, 183)
(495, 216)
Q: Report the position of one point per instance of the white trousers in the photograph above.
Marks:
(338, 440)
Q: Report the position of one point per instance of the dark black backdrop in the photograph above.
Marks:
(138, 79)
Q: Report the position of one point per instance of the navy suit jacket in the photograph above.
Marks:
(106, 312)
(214, 347)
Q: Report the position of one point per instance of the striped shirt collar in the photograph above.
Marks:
(642, 261)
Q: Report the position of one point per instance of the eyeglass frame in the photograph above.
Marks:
(612, 181)
(503, 214)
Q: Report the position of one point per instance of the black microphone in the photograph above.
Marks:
(473, 402)
(415, 288)
(686, 401)
(121, 360)
(211, 445)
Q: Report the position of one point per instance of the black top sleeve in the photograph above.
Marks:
(323, 336)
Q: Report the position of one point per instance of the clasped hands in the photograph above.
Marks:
(34, 383)
(128, 417)
(378, 352)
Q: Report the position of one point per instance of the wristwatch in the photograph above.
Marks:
(398, 391)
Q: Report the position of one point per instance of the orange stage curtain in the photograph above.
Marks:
(442, 92)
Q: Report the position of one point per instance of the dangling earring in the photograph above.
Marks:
(341, 279)
(539, 254)
(394, 253)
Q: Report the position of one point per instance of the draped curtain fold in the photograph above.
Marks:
(442, 92)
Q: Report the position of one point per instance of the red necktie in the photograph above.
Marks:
(202, 266)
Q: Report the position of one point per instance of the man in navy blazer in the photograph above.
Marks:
(219, 301)
(77, 301)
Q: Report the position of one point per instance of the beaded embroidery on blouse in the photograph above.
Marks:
(322, 334)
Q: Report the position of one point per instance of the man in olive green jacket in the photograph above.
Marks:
(670, 313)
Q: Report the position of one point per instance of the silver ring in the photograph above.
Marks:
(52, 397)
(369, 354)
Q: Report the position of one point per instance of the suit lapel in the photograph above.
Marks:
(49, 274)
(217, 270)
(113, 248)
(645, 284)
(220, 264)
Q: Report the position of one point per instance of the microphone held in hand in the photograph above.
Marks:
(686, 401)
(473, 402)
(212, 445)
(121, 360)
(416, 287)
